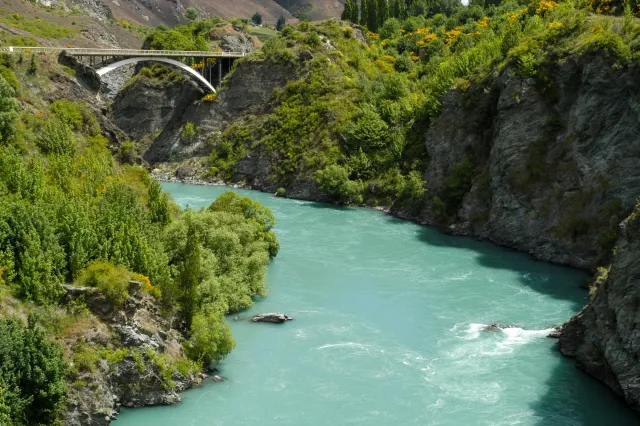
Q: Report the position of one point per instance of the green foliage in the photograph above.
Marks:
(191, 14)
(256, 18)
(334, 180)
(9, 108)
(111, 280)
(57, 138)
(313, 40)
(281, 192)
(32, 372)
(33, 65)
(188, 132)
(281, 23)
(210, 338)
(158, 204)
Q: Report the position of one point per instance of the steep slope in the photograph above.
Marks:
(604, 336)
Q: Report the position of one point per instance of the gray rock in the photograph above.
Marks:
(604, 337)
(271, 317)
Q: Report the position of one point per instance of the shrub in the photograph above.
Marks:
(191, 14)
(281, 192)
(111, 280)
(188, 132)
(313, 40)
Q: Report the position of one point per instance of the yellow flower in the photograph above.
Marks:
(483, 23)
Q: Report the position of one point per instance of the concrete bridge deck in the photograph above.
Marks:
(74, 51)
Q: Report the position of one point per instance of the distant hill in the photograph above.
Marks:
(154, 12)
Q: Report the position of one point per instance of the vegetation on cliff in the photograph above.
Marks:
(70, 214)
(356, 122)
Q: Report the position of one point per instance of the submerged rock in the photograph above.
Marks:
(271, 317)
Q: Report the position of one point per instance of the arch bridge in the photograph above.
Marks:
(207, 68)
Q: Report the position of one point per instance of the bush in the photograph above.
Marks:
(281, 192)
(111, 280)
(188, 132)
(191, 14)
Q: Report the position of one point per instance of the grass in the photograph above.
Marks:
(263, 33)
(36, 26)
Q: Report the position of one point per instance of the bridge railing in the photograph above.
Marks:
(124, 52)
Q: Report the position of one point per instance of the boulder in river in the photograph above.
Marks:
(496, 327)
(271, 317)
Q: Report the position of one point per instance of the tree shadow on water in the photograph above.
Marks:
(559, 282)
(576, 399)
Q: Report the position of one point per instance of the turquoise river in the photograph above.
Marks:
(388, 331)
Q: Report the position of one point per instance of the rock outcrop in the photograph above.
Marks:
(552, 169)
(604, 337)
(140, 341)
(272, 317)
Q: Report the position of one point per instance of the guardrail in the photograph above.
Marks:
(124, 52)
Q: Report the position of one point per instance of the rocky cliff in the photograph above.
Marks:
(125, 357)
(550, 169)
(604, 337)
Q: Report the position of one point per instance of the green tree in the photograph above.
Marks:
(364, 12)
(372, 17)
(191, 14)
(9, 107)
(210, 338)
(158, 204)
(57, 138)
(190, 272)
(347, 12)
(32, 370)
(383, 12)
(257, 18)
(281, 23)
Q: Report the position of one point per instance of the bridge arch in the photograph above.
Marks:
(104, 70)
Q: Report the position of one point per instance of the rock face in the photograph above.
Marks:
(604, 337)
(146, 106)
(143, 109)
(554, 169)
(271, 317)
(135, 379)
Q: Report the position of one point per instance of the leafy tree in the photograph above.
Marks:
(57, 138)
(281, 23)
(189, 272)
(158, 204)
(210, 338)
(9, 107)
(257, 18)
(191, 14)
(32, 370)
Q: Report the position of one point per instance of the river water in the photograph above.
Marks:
(388, 331)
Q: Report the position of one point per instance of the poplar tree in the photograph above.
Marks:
(383, 12)
(372, 18)
(397, 9)
(347, 12)
(364, 15)
(355, 11)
